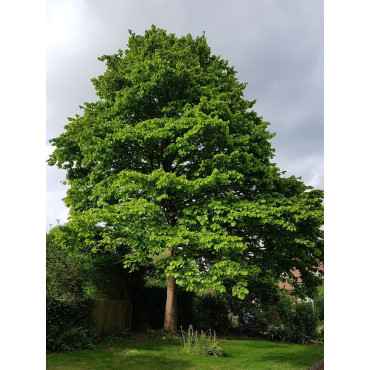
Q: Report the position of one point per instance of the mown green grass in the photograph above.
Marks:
(157, 354)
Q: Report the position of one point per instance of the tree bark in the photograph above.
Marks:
(170, 316)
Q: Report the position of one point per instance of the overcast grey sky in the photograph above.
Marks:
(275, 45)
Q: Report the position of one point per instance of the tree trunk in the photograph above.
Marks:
(170, 316)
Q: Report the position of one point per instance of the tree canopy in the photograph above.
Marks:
(173, 163)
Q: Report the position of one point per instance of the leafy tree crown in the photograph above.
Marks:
(172, 157)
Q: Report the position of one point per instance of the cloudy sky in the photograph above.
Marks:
(275, 45)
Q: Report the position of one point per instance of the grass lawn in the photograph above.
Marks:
(157, 354)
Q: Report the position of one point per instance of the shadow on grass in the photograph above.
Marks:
(153, 345)
(131, 355)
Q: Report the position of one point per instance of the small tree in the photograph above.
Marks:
(172, 162)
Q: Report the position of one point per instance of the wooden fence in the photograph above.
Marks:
(111, 316)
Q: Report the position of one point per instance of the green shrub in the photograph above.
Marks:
(65, 271)
(277, 333)
(305, 319)
(295, 323)
(74, 339)
(257, 319)
(65, 323)
(319, 305)
(203, 343)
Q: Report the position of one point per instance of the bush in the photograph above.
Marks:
(298, 323)
(73, 339)
(203, 343)
(65, 323)
(319, 305)
(277, 333)
(305, 319)
(257, 320)
(65, 271)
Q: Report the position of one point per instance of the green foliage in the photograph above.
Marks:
(277, 312)
(73, 339)
(173, 156)
(305, 318)
(203, 343)
(65, 271)
(65, 323)
(74, 279)
(298, 323)
(72, 274)
(263, 293)
(319, 303)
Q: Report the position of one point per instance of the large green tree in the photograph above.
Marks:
(172, 162)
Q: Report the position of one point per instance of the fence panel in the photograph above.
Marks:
(111, 317)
